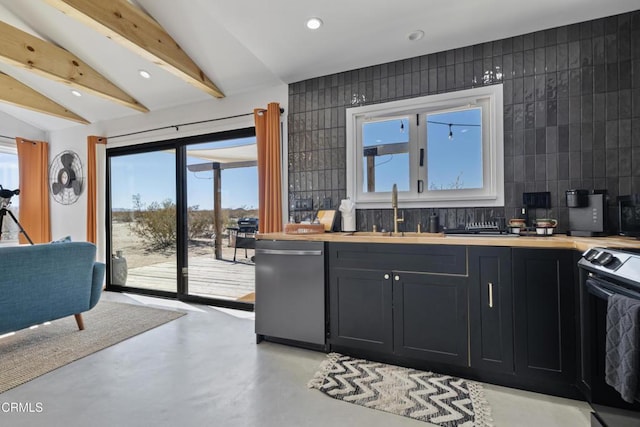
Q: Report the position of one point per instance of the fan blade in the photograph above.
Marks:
(77, 187)
(56, 187)
(67, 160)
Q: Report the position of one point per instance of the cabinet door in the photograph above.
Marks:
(544, 314)
(430, 317)
(360, 309)
(491, 308)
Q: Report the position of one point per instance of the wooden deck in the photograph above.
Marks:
(208, 277)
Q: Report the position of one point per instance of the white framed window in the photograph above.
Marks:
(442, 150)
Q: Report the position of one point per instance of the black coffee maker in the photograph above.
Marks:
(587, 213)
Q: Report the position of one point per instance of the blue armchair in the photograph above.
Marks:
(46, 282)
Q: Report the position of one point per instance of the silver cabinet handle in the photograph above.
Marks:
(386, 276)
(396, 278)
(490, 295)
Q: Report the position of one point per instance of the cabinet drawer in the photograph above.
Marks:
(440, 259)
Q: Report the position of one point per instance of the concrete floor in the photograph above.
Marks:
(205, 369)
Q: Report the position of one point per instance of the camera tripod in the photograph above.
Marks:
(3, 212)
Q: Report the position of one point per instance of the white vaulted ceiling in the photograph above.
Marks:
(244, 46)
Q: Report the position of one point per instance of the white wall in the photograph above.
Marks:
(71, 219)
(11, 127)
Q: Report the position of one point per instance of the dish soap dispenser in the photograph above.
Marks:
(434, 226)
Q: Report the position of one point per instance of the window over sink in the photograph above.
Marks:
(442, 150)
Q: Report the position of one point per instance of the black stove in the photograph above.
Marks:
(604, 272)
(613, 264)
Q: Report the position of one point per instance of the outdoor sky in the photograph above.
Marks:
(152, 175)
(445, 159)
(461, 155)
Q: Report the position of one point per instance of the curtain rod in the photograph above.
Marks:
(183, 124)
(15, 137)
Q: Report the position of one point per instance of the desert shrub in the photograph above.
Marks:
(156, 224)
(122, 216)
(200, 223)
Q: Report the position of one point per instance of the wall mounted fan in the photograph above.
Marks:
(66, 178)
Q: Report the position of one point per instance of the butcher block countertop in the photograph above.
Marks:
(558, 241)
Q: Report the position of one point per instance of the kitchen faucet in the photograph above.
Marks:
(394, 205)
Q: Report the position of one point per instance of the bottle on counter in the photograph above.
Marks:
(434, 225)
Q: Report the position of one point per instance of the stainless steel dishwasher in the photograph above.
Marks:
(290, 291)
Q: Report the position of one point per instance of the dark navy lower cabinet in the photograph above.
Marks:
(491, 309)
(388, 310)
(545, 321)
(496, 314)
(430, 317)
(360, 309)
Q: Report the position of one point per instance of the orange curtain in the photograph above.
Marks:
(92, 191)
(33, 160)
(269, 168)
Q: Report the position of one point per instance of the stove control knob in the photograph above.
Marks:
(591, 254)
(603, 258)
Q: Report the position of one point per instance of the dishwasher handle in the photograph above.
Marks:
(288, 252)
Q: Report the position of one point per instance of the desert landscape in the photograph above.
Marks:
(139, 254)
(155, 268)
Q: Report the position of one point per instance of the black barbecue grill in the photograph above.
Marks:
(248, 225)
(245, 235)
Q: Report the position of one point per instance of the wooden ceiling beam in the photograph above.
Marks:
(14, 92)
(21, 49)
(130, 26)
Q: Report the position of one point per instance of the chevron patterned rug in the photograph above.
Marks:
(438, 399)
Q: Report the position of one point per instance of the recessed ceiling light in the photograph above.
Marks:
(415, 35)
(314, 23)
(145, 74)
(76, 93)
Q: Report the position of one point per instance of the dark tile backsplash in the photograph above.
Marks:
(571, 117)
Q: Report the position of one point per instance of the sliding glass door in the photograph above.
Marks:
(144, 220)
(222, 211)
(183, 218)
